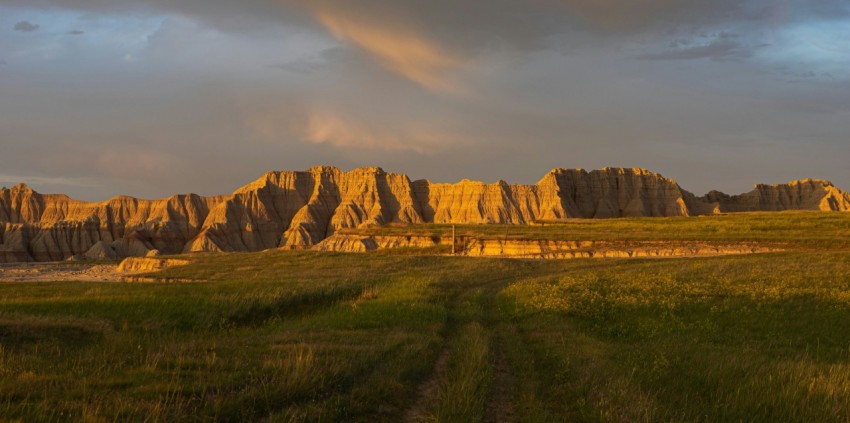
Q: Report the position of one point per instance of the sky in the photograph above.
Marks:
(156, 97)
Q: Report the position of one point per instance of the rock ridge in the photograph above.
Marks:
(300, 209)
(545, 249)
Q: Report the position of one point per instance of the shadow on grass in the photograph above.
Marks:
(258, 313)
(25, 330)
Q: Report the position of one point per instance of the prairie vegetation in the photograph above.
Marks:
(795, 229)
(394, 336)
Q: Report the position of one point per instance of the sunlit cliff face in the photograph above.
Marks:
(151, 97)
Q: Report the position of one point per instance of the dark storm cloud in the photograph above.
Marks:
(25, 26)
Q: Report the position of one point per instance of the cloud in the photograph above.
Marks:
(366, 83)
(113, 161)
(75, 32)
(399, 49)
(25, 26)
(723, 46)
(323, 127)
(338, 126)
(796, 75)
(310, 64)
(304, 67)
(830, 9)
(621, 15)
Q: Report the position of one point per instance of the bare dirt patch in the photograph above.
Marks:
(500, 405)
(84, 272)
(57, 272)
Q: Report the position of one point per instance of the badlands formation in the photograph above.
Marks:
(301, 209)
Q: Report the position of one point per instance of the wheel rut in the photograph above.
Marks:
(426, 393)
(500, 403)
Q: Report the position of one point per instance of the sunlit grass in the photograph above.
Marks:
(749, 338)
(304, 336)
(794, 228)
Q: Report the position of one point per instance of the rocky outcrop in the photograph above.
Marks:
(618, 193)
(38, 227)
(359, 244)
(300, 209)
(147, 264)
(543, 249)
(806, 194)
(599, 249)
(101, 251)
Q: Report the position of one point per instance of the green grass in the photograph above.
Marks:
(758, 338)
(795, 228)
(303, 336)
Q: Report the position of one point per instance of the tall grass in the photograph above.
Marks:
(757, 338)
(268, 335)
(303, 336)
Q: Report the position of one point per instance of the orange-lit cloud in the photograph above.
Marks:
(338, 127)
(325, 127)
(400, 50)
(115, 162)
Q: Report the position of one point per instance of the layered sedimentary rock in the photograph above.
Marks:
(806, 194)
(147, 264)
(38, 227)
(531, 248)
(601, 249)
(300, 209)
(359, 243)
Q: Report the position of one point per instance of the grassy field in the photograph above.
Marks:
(794, 229)
(304, 336)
